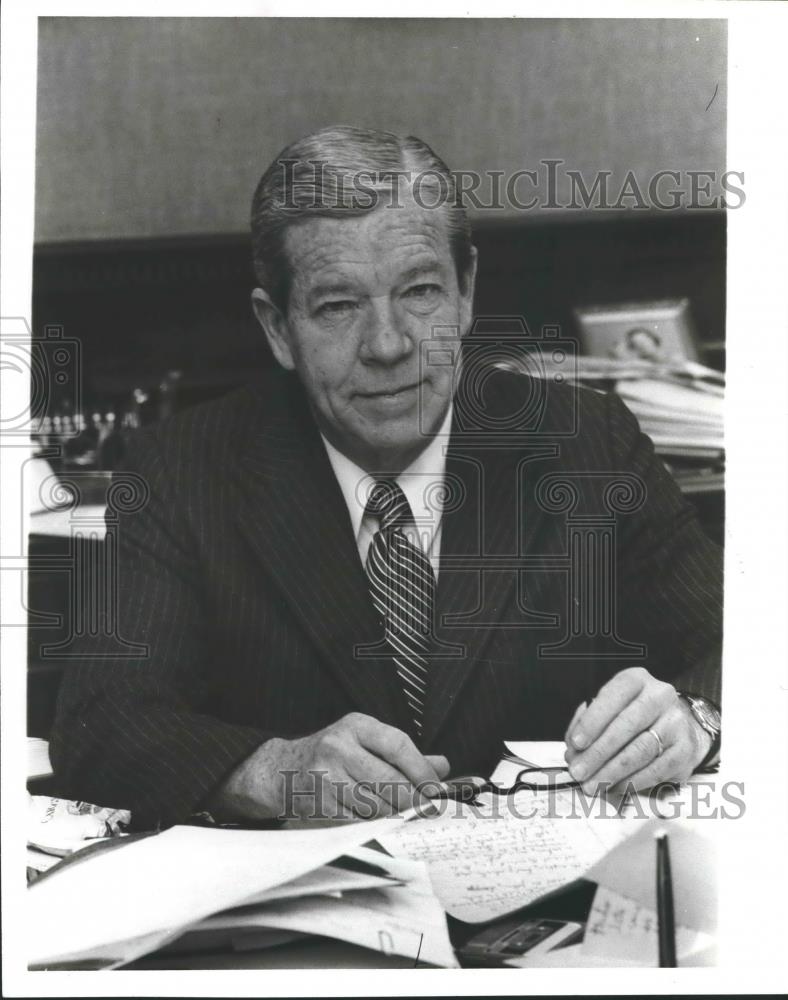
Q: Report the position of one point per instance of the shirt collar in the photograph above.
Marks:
(420, 482)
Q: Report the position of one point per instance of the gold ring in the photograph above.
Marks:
(655, 734)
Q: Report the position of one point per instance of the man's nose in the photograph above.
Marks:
(387, 338)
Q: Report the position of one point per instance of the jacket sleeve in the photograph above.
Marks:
(133, 727)
(670, 574)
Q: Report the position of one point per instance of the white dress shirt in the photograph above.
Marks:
(422, 483)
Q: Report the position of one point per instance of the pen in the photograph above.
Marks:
(666, 924)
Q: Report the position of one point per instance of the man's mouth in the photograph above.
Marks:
(394, 393)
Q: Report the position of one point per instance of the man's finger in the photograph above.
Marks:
(385, 783)
(364, 798)
(440, 763)
(334, 801)
(645, 752)
(578, 712)
(638, 754)
(396, 747)
(672, 765)
(622, 732)
(612, 699)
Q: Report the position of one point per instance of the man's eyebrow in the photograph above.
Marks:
(421, 271)
(332, 287)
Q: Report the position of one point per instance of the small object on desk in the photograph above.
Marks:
(38, 763)
(60, 826)
(665, 914)
(512, 942)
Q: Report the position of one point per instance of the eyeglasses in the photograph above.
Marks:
(537, 779)
(529, 779)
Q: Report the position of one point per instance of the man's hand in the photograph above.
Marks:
(609, 743)
(356, 767)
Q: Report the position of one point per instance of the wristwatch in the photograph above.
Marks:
(708, 717)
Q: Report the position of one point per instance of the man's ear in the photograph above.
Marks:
(274, 326)
(467, 289)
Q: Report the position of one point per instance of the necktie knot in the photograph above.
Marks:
(389, 505)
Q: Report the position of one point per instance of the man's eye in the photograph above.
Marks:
(425, 291)
(336, 307)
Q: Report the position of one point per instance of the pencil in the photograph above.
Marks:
(666, 922)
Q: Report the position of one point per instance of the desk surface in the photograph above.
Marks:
(314, 953)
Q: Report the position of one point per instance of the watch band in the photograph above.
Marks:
(708, 717)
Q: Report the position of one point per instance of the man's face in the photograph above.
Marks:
(364, 293)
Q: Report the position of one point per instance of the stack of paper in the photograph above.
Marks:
(680, 419)
(396, 914)
(679, 403)
(141, 894)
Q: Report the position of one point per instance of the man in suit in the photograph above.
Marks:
(360, 574)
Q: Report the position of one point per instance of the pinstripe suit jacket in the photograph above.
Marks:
(567, 554)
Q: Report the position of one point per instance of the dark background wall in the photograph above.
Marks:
(162, 126)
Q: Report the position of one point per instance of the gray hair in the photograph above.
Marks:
(343, 171)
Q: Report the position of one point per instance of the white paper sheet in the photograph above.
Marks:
(630, 870)
(173, 879)
(538, 753)
(41, 861)
(619, 927)
(571, 957)
(397, 920)
(323, 880)
(483, 866)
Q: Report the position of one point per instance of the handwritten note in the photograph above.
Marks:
(619, 926)
(631, 870)
(488, 862)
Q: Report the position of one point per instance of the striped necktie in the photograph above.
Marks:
(402, 585)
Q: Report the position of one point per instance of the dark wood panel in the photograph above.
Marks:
(142, 307)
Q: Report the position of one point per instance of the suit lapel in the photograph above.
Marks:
(294, 517)
(498, 518)
(476, 527)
